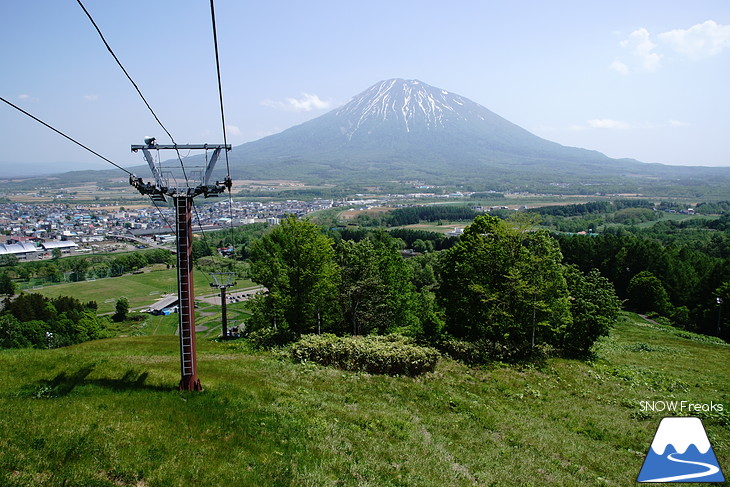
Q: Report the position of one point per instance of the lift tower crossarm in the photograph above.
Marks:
(227, 147)
(160, 189)
(155, 170)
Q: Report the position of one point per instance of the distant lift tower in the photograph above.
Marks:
(165, 185)
(222, 281)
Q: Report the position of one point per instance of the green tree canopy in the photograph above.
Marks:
(376, 289)
(504, 285)
(295, 262)
(25, 321)
(7, 286)
(646, 293)
(122, 308)
(594, 306)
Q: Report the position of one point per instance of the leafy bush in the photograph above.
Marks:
(391, 354)
(268, 338)
(471, 353)
(484, 351)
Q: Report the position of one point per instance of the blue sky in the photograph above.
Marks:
(641, 79)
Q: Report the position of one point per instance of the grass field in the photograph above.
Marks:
(105, 413)
(140, 289)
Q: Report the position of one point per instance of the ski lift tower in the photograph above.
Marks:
(222, 281)
(196, 182)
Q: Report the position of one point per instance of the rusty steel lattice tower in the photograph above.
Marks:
(164, 186)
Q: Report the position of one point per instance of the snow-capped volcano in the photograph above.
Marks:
(398, 119)
(411, 103)
(402, 129)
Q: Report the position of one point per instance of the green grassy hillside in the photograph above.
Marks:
(105, 413)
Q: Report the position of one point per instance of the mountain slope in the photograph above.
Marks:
(405, 128)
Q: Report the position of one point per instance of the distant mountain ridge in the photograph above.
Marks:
(408, 120)
(406, 129)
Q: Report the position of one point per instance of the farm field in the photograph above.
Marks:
(140, 289)
(107, 413)
(442, 227)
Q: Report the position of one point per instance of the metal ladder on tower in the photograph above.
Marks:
(186, 311)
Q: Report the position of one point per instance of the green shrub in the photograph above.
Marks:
(485, 351)
(268, 338)
(391, 354)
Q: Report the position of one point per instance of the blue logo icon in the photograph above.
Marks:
(681, 452)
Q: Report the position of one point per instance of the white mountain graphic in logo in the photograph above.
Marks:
(681, 452)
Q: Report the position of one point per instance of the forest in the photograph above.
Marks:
(34, 321)
(500, 293)
(510, 288)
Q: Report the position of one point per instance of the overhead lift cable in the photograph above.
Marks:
(223, 117)
(220, 86)
(108, 47)
(149, 107)
(80, 145)
(64, 135)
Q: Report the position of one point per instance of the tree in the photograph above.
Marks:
(505, 286)
(376, 290)
(646, 293)
(56, 254)
(423, 246)
(122, 308)
(295, 262)
(8, 260)
(594, 307)
(25, 321)
(14, 334)
(201, 249)
(362, 291)
(7, 286)
(722, 299)
(79, 266)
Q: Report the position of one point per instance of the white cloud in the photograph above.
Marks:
(306, 103)
(27, 97)
(700, 40)
(610, 124)
(620, 67)
(91, 97)
(233, 130)
(607, 123)
(677, 123)
(641, 46)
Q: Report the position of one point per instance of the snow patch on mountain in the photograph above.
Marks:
(408, 103)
